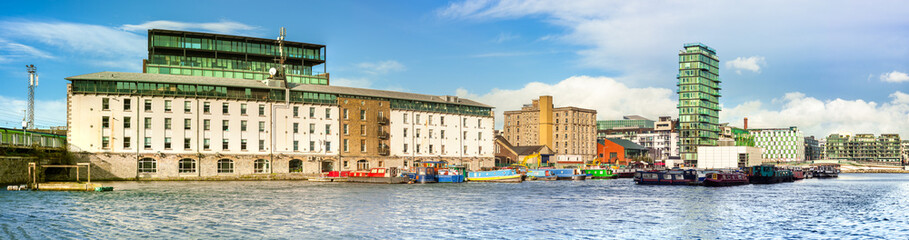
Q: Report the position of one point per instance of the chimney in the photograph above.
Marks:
(746, 123)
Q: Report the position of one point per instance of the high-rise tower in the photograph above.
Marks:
(699, 93)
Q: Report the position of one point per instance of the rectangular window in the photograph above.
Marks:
(296, 111)
(417, 149)
(225, 124)
(261, 110)
(328, 146)
(417, 120)
(480, 136)
(243, 109)
(147, 143)
(206, 107)
(430, 123)
(362, 145)
(362, 130)
(224, 144)
(148, 105)
(206, 143)
(206, 124)
(430, 133)
(327, 113)
(346, 147)
(480, 123)
(442, 134)
(261, 126)
(465, 136)
(346, 129)
(225, 108)
(105, 122)
(187, 106)
(167, 106)
(312, 146)
(167, 123)
(105, 142)
(405, 148)
(261, 145)
(187, 124)
(430, 148)
(312, 112)
(296, 128)
(465, 150)
(345, 113)
(105, 104)
(465, 122)
(166, 143)
(243, 125)
(296, 145)
(442, 120)
(187, 142)
(327, 129)
(126, 142)
(405, 132)
(148, 123)
(312, 128)
(362, 114)
(127, 104)
(417, 132)
(405, 118)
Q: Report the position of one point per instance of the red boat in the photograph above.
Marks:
(798, 174)
(378, 175)
(725, 179)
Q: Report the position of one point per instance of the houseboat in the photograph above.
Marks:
(540, 175)
(719, 179)
(600, 173)
(451, 174)
(827, 171)
(797, 174)
(504, 175)
(673, 177)
(379, 175)
(426, 173)
(768, 174)
(331, 176)
(568, 174)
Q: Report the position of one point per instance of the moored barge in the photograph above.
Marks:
(720, 179)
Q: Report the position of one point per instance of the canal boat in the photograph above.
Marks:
(451, 174)
(719, 179)
(427, 172)
(798, 174)
(827, 171)
(600, 173)
(768, 174)
(672, 177)
(331, 176)
(379, 175)
(540, 175)
(568, 174)
(504, 175)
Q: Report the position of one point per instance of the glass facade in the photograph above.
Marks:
(864, 147)
(625, 123)
(699, 93)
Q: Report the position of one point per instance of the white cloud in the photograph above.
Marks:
(352, 82)
(222, 27)
(823, 117)
(504, 37)
(94, 44)
(381, 67)
(15, 51)
(895, 77)
(610, 98)
(47, 113)
(752, 63)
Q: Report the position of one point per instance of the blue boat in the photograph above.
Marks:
(540, 174)
(568, 174)
(451, 174)
(504, 175)
(426, 173)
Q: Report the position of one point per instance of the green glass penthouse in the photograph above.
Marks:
(216, 55)
(699, 92)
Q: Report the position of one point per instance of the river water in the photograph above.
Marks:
(851, 206)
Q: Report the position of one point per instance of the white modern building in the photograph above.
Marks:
(728, 157)
(780, 144)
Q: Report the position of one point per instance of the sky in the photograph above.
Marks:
(823, 66)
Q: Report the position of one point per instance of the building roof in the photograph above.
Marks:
(635, 117)
(626, 144)
(527, 150)
(266, 40)
(244, 83)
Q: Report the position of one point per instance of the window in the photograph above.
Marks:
(206, 107)
(417, 120)
(167, 123)
(127, 122)
(243, 109)
(430, 148)
(166, 143)
(480, 136)
(187, 165)
(206, 124)
(243, 125)
(405, 118)
(206, 143)
(187, 124)
(312, 146)
(127, 104)
(261, 166)
(147, 143)
(105, 122)
(105, 142)
(346, 164)
(148, 105)
(296, 111)
(167, 105)
(225, 108)
(225, 166)
(362, 114)
(442, 120)
(296, 145)
(345, 113)
(312, 128)
(224, 144)
(405, 132)
(296, 127)
(148, 165)
(465, 122)
(465, 135)
(261, 126)
(346, 147)
(328, 146)
(362, 130)
(346, 129)
(312, 112)
(225, 124)
(480, 123)
(362, 145)
(187, 106)
(187, 143)
(261, 145)
(442, 134)
(405, 150)
(327, 129)
(327, 113)
(430, 133)
(261, 110)
(296, 166)
(418, 132)
(417, 149)
(105, 104)
(430, 119)
(465, 150)
(362, 164)
(242, 144)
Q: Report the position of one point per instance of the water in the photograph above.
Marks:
(852, 206)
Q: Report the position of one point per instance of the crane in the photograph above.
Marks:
(528, 157)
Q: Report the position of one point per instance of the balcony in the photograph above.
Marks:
(382, 120)
(383, 150)
(383, 135)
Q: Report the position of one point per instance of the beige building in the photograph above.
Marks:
(566, 130)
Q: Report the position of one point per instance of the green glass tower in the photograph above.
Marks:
(699, 93)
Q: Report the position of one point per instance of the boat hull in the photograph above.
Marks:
(715, 183)
(450, 178)
(511, 178)
(383, 180)
(542, 178)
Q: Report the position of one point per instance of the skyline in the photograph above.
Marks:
(791, 70)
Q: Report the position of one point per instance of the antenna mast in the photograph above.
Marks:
(29, 123)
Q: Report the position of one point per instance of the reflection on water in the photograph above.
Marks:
(852, 206)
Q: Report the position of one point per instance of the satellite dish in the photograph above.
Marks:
(273, 71)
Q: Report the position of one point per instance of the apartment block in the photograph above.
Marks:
(864, 147)
(566, 130)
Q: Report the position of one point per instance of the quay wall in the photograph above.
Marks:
(14, 170)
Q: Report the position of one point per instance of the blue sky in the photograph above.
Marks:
(825, 66)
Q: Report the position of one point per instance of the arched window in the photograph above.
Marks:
(225, 166)
(362, 164)
(148, 165)
(261, 166)
(296, 166)
(187, 165)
